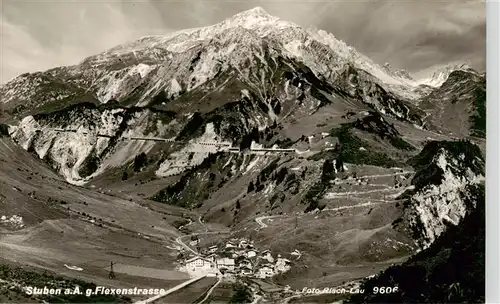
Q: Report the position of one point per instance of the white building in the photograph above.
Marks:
(225, 263)
(199, 265)
(251, 253)
(264, 272)
(230, 245)
(245, 271)
(212, 257)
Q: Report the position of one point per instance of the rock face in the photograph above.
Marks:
(446, 174)
(135, 73)
(95, 144)
(450, 270)
(178, 103)
(290, 71)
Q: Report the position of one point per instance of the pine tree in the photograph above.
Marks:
(251, 187)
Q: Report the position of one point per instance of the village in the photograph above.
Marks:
(237, 258)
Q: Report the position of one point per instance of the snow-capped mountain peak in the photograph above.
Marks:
(254, 13)
(437, 77)
(256, 19)
(194, 56)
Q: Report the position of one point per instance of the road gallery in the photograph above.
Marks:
(245, 158)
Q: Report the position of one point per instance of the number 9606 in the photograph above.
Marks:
(384, 290)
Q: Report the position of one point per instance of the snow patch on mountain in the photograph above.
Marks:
(400, 82)
(153, 64)
(206, 68)
(440, 75)
(119, 83)
(231, 40)
(254, 19)
(141, 69)
(294, 48)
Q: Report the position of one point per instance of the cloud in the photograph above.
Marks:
(38, 36)
(413, 34)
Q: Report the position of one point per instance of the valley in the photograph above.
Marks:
(259, 157)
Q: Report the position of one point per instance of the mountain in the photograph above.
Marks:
(458, 105)
(445, 174)
(258, 127)
(401, 73)
(202, 71)
(185, 60)
(441, 74)
(434, 274)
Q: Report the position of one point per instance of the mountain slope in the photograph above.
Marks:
(79, 156)
(441, 197)
(267, 130)
(285, 91)
(187, 59)
(458, 106)
(451, 270)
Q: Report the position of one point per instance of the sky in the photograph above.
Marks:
(416, 35)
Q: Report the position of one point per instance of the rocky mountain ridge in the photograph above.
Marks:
(184, 60)
(254, 116)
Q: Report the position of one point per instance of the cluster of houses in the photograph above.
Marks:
(14, 221)
(238, 257)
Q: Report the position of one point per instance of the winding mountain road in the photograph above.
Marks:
(373, 176)
(331, 195)
(260, 219)
(371, 202)
(202, 224)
